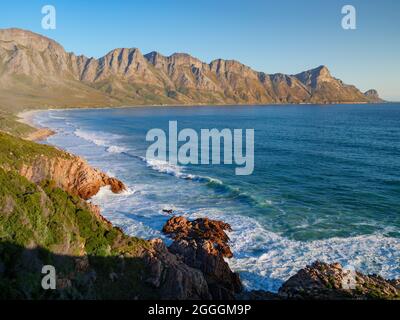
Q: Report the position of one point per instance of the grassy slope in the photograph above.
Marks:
(42, 224)
(9, 123)
(15, 151)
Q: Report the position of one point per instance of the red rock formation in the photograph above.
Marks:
(72, 174)
(179, 228)
(203, 244)
(331, 281)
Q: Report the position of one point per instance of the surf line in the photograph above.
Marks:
(234, 152)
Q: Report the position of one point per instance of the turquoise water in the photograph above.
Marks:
(326, 183)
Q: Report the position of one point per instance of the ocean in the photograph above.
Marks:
(326, 182)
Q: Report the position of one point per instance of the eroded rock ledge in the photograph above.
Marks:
(72, 174)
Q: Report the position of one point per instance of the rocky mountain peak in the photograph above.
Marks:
(123, 51)
(373, 95)
(154, 56)
(322, 70)
(371, 92)
(314, 77)
(27, 39)
(180, 58)
(323, 73)
(124, 74)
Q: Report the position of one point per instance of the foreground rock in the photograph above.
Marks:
(72, 174)
(331, 281)
(203, 244)
(172, 277)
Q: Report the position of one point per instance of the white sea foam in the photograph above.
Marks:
(164, 167)
(101, 140)
(264, 259)
(91, 137)
(116, 149)
(178, 171)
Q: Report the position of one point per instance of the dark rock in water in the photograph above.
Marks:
(203, 244)
(330, 281)
(169, 211)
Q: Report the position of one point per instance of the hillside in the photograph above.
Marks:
(46, 217)
(37, 71)
(46, 220)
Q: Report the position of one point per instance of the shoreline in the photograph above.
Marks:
(40, 134)
(28, 116)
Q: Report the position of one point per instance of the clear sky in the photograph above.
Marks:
(286, 36)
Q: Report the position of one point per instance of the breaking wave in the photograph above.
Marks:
(263, 258)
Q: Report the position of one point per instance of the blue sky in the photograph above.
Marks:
(286, 36)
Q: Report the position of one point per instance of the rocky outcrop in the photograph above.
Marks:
(173, 278)
(204, 229)
(72, 174)
(126, 76)
(203, 244)
(40, 134)
(373, 96)
(331, 281)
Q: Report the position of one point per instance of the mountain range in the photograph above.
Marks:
(35, 70)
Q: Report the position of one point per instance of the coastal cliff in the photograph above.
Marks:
(45, 219)
(38, 163)
(71, 174)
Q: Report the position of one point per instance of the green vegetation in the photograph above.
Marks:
(42, 225)
(10, 124)
(16, 151)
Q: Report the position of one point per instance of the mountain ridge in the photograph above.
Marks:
(37, 67)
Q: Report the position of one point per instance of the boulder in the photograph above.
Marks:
(173, 278)
(203, 244)
(324, 281)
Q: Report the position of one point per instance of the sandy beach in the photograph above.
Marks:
(26, 117)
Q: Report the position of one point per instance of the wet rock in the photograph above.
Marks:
(115, 185)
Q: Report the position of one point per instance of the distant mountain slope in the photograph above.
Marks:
(37, 70)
